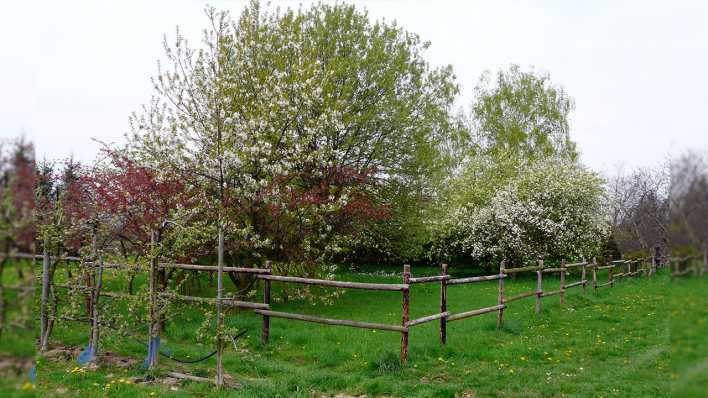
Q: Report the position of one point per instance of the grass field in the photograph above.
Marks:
(646, 337)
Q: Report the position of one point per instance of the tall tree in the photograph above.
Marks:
(522, 113)
(289, 125)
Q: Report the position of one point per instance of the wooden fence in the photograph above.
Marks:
(625, 268)
(696, 265)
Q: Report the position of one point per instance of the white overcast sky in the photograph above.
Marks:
(73, 70)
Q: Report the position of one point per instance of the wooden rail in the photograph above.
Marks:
(327, 321)
(427, 279)
(428, 318)
(339, 284)
(475, 279)
(210, 300)
(520, 296)
(480, 311)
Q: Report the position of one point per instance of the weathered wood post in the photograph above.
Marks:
(153, 347)
(656, 259)
(219, 312)
(265, 333)
(609, 271)
(96, 317)
(594, 274)
(406, 313)
(562, 283)
(443, 303)
(500, 318)
(539, 286)
(652, 270)
(584, 275)
(44, 320)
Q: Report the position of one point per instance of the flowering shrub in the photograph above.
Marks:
(551, 208)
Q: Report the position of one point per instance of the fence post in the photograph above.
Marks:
(406, 313)
(96, 317)
(500, 318)
(153, 347)
(219, 312)
(610, 271)
(443, 304)
(652, 270)
(562, 283)
(266, 300)
(656, 259)
(539, 286)
(594, 274)
(584, 276)
(44, 321)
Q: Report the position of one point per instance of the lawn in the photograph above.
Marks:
(646, 337)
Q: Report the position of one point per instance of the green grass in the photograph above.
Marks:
(646, 337)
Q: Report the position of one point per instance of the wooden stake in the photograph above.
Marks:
(610, 277)
(95, 318)
(594, 274)
(584, 276)
(154, 323)
(443, 304)
(406, 314)
(562, 283)
(265, 333)
(539, 286)
(219, 313)
(44, 321)
(500, 316)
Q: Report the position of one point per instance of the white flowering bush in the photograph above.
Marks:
(551, 208)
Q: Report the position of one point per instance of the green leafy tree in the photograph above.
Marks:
(292, 126)
(522, 114)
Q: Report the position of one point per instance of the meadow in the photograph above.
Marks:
(645, 337)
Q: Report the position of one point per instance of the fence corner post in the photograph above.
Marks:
(584, 275)
(154, 332)
(96, 316)
(562, 283)
(406, 312)
(219, 313)
(265, 333)
(44, 317)
(500, 317)
(539, 286)
(443, 303)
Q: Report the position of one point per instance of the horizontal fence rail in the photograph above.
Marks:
(339, 284)
(327, 321)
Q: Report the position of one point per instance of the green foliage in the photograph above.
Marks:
(522, 113)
